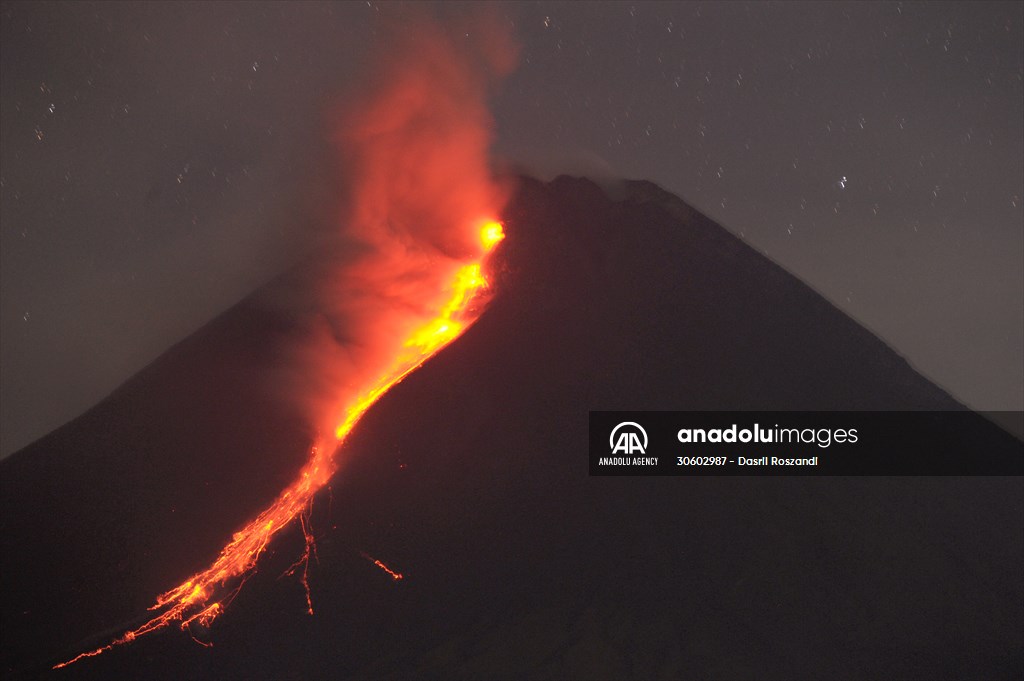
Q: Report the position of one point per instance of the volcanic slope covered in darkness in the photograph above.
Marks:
(470, 479)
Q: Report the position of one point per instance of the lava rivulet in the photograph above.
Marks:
(203, 597)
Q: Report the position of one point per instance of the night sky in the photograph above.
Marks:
(159, 162)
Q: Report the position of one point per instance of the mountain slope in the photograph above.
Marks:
(471, 479)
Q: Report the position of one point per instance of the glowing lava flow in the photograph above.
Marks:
(383, 566)
(194, 600)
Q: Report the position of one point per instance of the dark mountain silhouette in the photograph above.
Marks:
(471, 478)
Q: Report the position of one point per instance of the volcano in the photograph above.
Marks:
(469, 479)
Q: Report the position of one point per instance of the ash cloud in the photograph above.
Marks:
(414, 186)
(416, 142)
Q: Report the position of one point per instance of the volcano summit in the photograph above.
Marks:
(469, 480)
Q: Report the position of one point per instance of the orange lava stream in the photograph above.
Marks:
(383, 566)
(394, 575)
(193, 600)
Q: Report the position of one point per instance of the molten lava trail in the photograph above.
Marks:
(383, 566)
(203, 597)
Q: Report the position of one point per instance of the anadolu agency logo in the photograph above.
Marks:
(628, 438)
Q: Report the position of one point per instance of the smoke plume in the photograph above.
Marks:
(413, 147)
